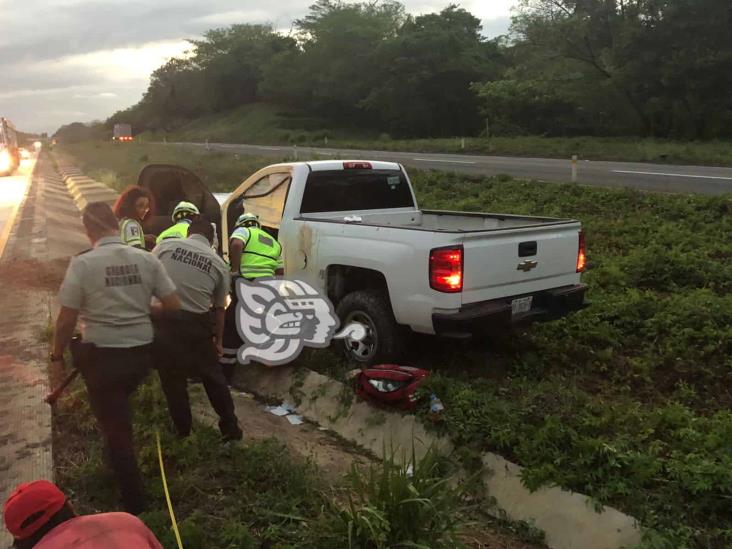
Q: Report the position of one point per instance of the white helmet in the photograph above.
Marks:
(184, 209)
(247, 220)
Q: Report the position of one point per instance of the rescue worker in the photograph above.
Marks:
(183, 215)
(185, 344)
(131, 209)
(37, 514)
(253, 254)
(109, 289)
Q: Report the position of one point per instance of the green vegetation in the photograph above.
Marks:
(256, 494)
(567, 68)
(118, 164)
(263, 124)
(627, 401)
(400, 503)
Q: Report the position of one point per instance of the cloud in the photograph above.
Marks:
(63, 60)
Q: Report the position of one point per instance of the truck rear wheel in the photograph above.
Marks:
(384, 341)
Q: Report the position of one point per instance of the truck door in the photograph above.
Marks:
(169, 185)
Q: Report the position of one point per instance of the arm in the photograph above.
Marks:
(64, 330)
(170, 303)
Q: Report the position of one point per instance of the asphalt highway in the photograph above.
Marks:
(12, 191)
(645, 176)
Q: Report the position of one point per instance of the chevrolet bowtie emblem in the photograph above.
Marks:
(527, 265)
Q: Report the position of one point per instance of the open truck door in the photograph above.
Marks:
(169, 184)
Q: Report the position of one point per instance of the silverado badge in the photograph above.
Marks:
(527, 265)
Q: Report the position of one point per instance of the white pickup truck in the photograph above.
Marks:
(353, 230)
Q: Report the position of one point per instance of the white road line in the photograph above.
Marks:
(676, 175)
(445, 161)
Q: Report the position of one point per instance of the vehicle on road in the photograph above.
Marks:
(9, 152)
(122, 132)
(354, 231)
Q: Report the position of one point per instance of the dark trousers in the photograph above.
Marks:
(184, 348)
(111, 376)
(232, 341)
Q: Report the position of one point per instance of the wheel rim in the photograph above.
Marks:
(363, 350)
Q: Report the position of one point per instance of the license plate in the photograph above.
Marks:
(521, 305)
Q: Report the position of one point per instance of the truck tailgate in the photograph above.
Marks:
(519, 261)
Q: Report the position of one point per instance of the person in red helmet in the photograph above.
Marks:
(39, 516)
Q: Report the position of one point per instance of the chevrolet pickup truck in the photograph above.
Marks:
(353, 230)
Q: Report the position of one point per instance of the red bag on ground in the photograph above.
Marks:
(390, 384)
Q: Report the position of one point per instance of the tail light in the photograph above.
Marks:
(446, 269)
(357, 165)
(581, 253)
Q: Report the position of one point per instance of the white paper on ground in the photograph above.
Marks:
(294, 420)
(277, 410)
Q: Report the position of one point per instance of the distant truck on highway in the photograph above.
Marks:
(353, 230)
(9, 152)
(122, 132)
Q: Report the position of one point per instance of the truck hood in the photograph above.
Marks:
(170, 184)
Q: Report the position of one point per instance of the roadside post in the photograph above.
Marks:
(325, 139)
(294, 151)
(462, 143)
(208, 148)
(574, 168)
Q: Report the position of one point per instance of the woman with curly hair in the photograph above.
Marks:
(131, 208)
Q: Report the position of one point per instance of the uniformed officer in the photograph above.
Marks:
(131, 208)
(253, 254)
(185, 345)
(183, 215)
(109, 288)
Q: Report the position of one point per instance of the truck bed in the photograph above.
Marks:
(439, 221)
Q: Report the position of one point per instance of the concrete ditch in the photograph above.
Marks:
(568, 519)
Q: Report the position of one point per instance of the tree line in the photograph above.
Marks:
(660, 68)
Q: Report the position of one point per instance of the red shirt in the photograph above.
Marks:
(102, 531)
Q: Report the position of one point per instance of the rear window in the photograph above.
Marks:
(348, 190)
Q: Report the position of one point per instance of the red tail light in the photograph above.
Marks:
(356, 165)
(581, 253)
(446, 269)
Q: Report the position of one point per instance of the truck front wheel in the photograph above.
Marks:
(384, 341)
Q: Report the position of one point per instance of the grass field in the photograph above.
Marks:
(628, 401)
(264, 124)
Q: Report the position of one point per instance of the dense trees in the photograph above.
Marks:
(569, 67)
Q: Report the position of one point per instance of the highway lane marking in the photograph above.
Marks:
(444, 161)
(5, 236)
(675, 175)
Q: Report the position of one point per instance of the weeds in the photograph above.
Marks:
(399, 503)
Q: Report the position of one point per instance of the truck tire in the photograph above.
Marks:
(384, 342)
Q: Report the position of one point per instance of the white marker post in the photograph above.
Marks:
(295, 152)
(574, 168)
(462, 143)
(208, 148)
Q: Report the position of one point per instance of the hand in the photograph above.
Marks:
(219, 348)
(156, 310)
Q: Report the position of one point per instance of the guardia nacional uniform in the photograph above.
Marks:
(111, 286)
(132, 233)
(183, 340)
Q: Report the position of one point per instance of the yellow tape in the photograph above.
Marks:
(167, 494)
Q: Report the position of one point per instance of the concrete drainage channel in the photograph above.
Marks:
(568, 519)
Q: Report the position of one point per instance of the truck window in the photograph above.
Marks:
(266, 198)
(348, 190)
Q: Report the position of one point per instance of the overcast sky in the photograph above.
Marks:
(80, 60)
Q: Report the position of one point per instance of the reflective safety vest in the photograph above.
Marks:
(179, 230)
(261, 255)
(132, 233)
